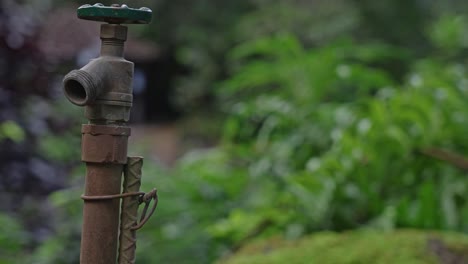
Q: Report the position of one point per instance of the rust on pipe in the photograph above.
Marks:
(104, 149)
(100, 218)
(129, 215)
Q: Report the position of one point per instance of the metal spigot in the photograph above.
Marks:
(104, 87)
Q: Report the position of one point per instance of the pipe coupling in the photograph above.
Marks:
(104, 144)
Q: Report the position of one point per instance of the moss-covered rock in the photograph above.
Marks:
(402, 247)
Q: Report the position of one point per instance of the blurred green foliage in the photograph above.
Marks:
(11, 130)
(12, 239)
(404, 247)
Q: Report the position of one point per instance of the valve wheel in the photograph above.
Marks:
(115, 14)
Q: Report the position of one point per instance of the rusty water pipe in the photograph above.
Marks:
(104, 88)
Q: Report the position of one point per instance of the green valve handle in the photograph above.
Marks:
(115, 14)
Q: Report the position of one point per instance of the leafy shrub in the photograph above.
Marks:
(314, 140)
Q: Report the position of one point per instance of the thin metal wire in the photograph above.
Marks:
(147, 198)
(129, 211)
(112, 196)
(144, 198)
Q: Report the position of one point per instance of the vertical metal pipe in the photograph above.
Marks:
(101, 217)
(104, 86)
(104, 144)
(104, 149)
(129, 215)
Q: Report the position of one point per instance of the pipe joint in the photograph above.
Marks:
(104, 86)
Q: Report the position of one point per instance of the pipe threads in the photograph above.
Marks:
(80, 87)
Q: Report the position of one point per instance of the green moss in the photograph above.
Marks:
(402, 246)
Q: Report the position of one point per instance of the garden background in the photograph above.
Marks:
(273, 130)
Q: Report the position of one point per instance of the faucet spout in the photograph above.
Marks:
(82, 87)
(104, 85)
